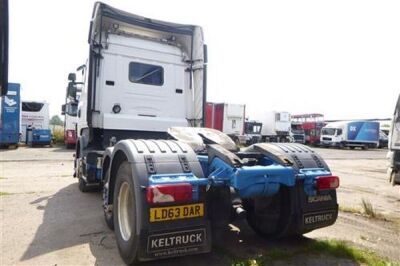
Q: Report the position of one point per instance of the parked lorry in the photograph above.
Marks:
(146, 80)
(70, 112)
(394, 147)
(228, 118)
(297, 133)
(276, 126)
(312, 125)
(363, 134)
(35, 128)
(10, 106)
(252, 132)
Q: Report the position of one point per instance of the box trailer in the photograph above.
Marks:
(364, 134)
(10, 106)
(276, 126)
(228, 118)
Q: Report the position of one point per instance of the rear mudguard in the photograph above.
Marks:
(310, 209)
(159, 162)
(280, 166)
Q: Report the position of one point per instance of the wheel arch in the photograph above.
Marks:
(122, 151)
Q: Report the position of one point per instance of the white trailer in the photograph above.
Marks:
(228, 118)
(275, 126)
(35, 115)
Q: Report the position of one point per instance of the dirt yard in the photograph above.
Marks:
(45, 220)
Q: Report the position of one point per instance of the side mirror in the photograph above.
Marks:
(3, 47)
(81, 68)
(71, 90)
(63, 109)
(72, 77)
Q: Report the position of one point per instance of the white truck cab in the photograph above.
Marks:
(142, 77)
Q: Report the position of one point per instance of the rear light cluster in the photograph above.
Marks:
(327, 182)
(181, 192)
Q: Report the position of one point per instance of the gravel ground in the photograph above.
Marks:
(45, 220)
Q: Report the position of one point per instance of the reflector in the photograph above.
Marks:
(327, 182)
(180, 192)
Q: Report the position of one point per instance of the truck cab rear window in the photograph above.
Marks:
(146, 74)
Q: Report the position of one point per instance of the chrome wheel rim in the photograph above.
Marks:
(125, 209)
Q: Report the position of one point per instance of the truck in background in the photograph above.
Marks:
(228, 118)
(297, 133)
(312, 125)
(35, 128)
(275, 126)
(70, 112)
(363, 134)
(394, 147)
(252, 132)
(10, 107)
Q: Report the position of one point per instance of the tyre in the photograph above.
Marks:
(270, 217)
(125, 217)
(365, 147)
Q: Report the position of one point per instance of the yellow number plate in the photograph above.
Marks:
(176, 212)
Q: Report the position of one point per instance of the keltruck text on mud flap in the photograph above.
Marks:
(146, 79)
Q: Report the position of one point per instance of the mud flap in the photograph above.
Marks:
(313, 212)
(175, 241)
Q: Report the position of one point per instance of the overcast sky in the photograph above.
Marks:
(339, 58)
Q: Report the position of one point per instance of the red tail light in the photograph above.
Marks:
(70, 133)
(327, 182)
(169, 193)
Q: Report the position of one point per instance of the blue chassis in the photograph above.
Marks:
(248, 181)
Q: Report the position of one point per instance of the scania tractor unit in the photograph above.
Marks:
(169, 184)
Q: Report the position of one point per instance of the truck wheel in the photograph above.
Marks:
(365, 147)
(125, 214)
(270, 216)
